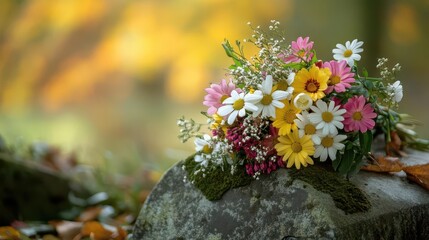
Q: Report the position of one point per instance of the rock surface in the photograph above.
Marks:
(267, 209)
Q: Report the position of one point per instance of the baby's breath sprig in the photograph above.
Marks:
(188, 129)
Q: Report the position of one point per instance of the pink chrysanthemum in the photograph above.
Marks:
(359, 115)
(301, 50)
(341, 76)
(217, 93)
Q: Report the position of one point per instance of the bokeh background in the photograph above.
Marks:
(108, 79)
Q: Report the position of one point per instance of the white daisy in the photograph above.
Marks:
(236, 105)
(303, 101)
(305, 127)
(395, 91)
(349, 52)
(204, 148)
(268, 101)
(327, 118)
(329, 146)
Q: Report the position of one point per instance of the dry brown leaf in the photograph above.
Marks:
(89, 214)
(418, 174)
(384, 164)
(96, 231)
(9, 233)
(394, 147)
(67, 230)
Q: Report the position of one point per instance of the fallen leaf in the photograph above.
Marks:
(418, 174)
(394, 147)
(89, 214)
(96, 231)
(9, 233)
(384, 164)
(67, 230)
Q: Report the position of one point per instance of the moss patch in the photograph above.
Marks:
(218, 181)
(345, 194)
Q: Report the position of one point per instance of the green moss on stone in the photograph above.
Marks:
(217, 181)
(345, 194)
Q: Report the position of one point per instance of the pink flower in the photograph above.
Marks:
(216, 94)
(341, 76)
(301, 50)
(359, 116)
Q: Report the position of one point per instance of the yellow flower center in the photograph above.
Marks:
(301, 53)
(327, 117)
(289, 116)
(348, 53)
(207, 149)
(327, 142)
(334, 80)
(266, 99)
(309, 129)
(223, 98)
(238, 104)
(357, 116)
(312, 85)
(296, 147)
(282, 85)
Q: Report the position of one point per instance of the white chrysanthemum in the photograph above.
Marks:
(204, 148)
(305, 127)
(327, 118)
(268, 101)
(349, 52)
(303, 101)
(236, 105)
(395, 91)
(329, 146)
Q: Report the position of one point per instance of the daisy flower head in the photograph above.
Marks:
(305, 127)
(341, 76)
(329, 145)
(359, 116)
(295, 150)
(301, 51)
(313, 82)
(303, 101)
(236, 105)
(349, 52)
(204, 148)
(267, 99)
(395, 91)
(326, 117)
(216, 94)
(285, 118)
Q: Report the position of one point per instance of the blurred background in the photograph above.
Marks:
(107, 80)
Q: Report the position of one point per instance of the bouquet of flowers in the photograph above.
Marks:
(285, 108)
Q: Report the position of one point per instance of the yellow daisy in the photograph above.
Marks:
(313, 82)
(295, 150)
(285, 118)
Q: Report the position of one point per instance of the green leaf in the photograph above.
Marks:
(347, 161)
(364, 72)
(365, 141)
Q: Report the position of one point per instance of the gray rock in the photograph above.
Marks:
(267, 209)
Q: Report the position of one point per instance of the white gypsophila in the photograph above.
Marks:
(305, 127)
(395, 91)
(327, 118)
(236, 105)
(329, 145)
(303, 101)
(349, 52)
(268, 101)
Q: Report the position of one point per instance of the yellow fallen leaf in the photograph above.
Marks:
(9, 233)
(384, 164)
(418, 174)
